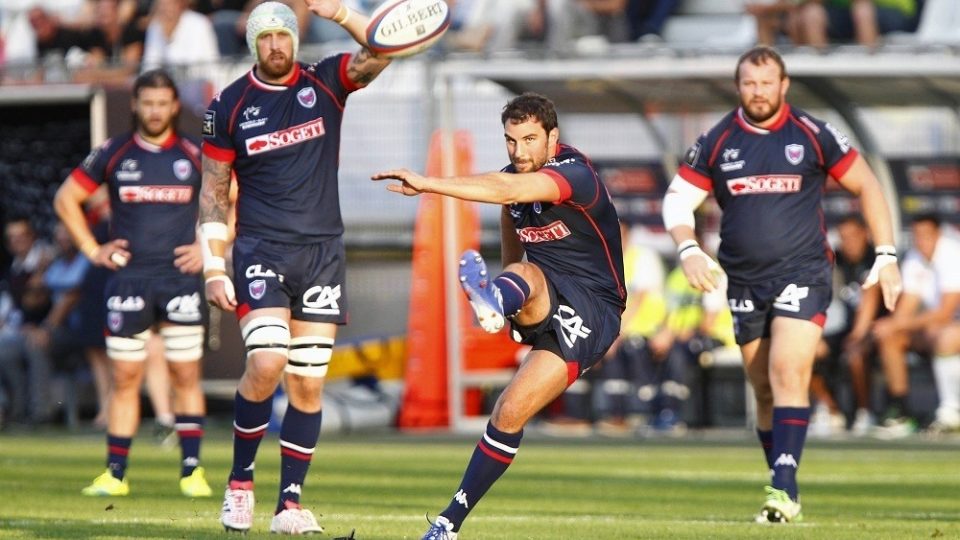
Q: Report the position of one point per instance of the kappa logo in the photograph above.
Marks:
(184, 308)
(251, 111)
(730, 154)
(794, 153)
(257, 288)
(789, 299)
(307, 97)
(842, 141)
(128, 171)
(322, 300)
(191, 462)
(571, 325)
(292, 488)
(785, 460)
(461, 498)
(182, 169)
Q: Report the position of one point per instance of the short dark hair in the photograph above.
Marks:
(927, 217)
(155, 78)
(530, 105)
(759, 55)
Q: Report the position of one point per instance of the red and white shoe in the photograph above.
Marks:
(237, 512)
(295, 520)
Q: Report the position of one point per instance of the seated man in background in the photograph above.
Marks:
(860, 21)
(923, 321)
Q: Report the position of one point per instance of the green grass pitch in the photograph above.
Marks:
(382, 485)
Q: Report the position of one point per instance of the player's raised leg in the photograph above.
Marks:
(310, 352)
(266, 334)
(541, 379)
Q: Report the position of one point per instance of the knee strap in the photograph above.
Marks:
(128, 349)
(182, 343)
(310, 356)
(266, 334)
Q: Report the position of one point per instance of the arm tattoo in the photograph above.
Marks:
(215, 193)
(364, 67)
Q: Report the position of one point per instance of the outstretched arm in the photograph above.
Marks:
(364, 66)
(494, 187)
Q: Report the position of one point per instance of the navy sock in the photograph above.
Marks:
(789, 434)
(118, 448)
(766, 443)
(513, 290)
(490, 460)
(298, 438)
(250, 422)
(190, 431)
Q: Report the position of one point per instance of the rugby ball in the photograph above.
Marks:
(401, 28)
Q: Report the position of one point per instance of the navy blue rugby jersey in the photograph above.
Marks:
(769, 183)
(154, 196)
(577, 235)
(284, 144)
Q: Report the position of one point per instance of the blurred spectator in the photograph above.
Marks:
(9, 374)
(846, 337)
(861, 21)
(946, 374)
(31, 303)
(695, 323)
(647, 17)
(573, 23)
(493, 25)
(178, 36)
(116, 44)
(775, 18)
(622, 376)
(928, 305)
(58, 47)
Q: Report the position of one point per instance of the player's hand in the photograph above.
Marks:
(703, 273)
(886, 272)
(327, 9)
(189, 259)
(410, 184)
(220, 292)
(112, 255)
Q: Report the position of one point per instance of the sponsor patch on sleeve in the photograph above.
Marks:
(209, 123)
(692, 155)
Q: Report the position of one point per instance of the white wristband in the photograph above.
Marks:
(212, 230)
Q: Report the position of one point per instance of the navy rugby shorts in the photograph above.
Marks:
(802, 295)
(579, 329)
(135, 304)
(308, 279)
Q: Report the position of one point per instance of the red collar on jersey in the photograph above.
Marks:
(781, 120)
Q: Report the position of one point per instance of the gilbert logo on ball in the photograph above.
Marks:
(401, 28)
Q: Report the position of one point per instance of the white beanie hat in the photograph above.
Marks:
(271, 16)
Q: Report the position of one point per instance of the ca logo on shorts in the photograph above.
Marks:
(790, 297)
(571, 325)
(322, 300)
(185, 308)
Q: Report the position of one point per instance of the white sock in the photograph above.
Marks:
(946, 373)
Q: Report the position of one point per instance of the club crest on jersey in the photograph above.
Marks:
(307, 97)
(794, 153)
(537, 207)
(258, 288)
(182, 169)
(114, 321)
